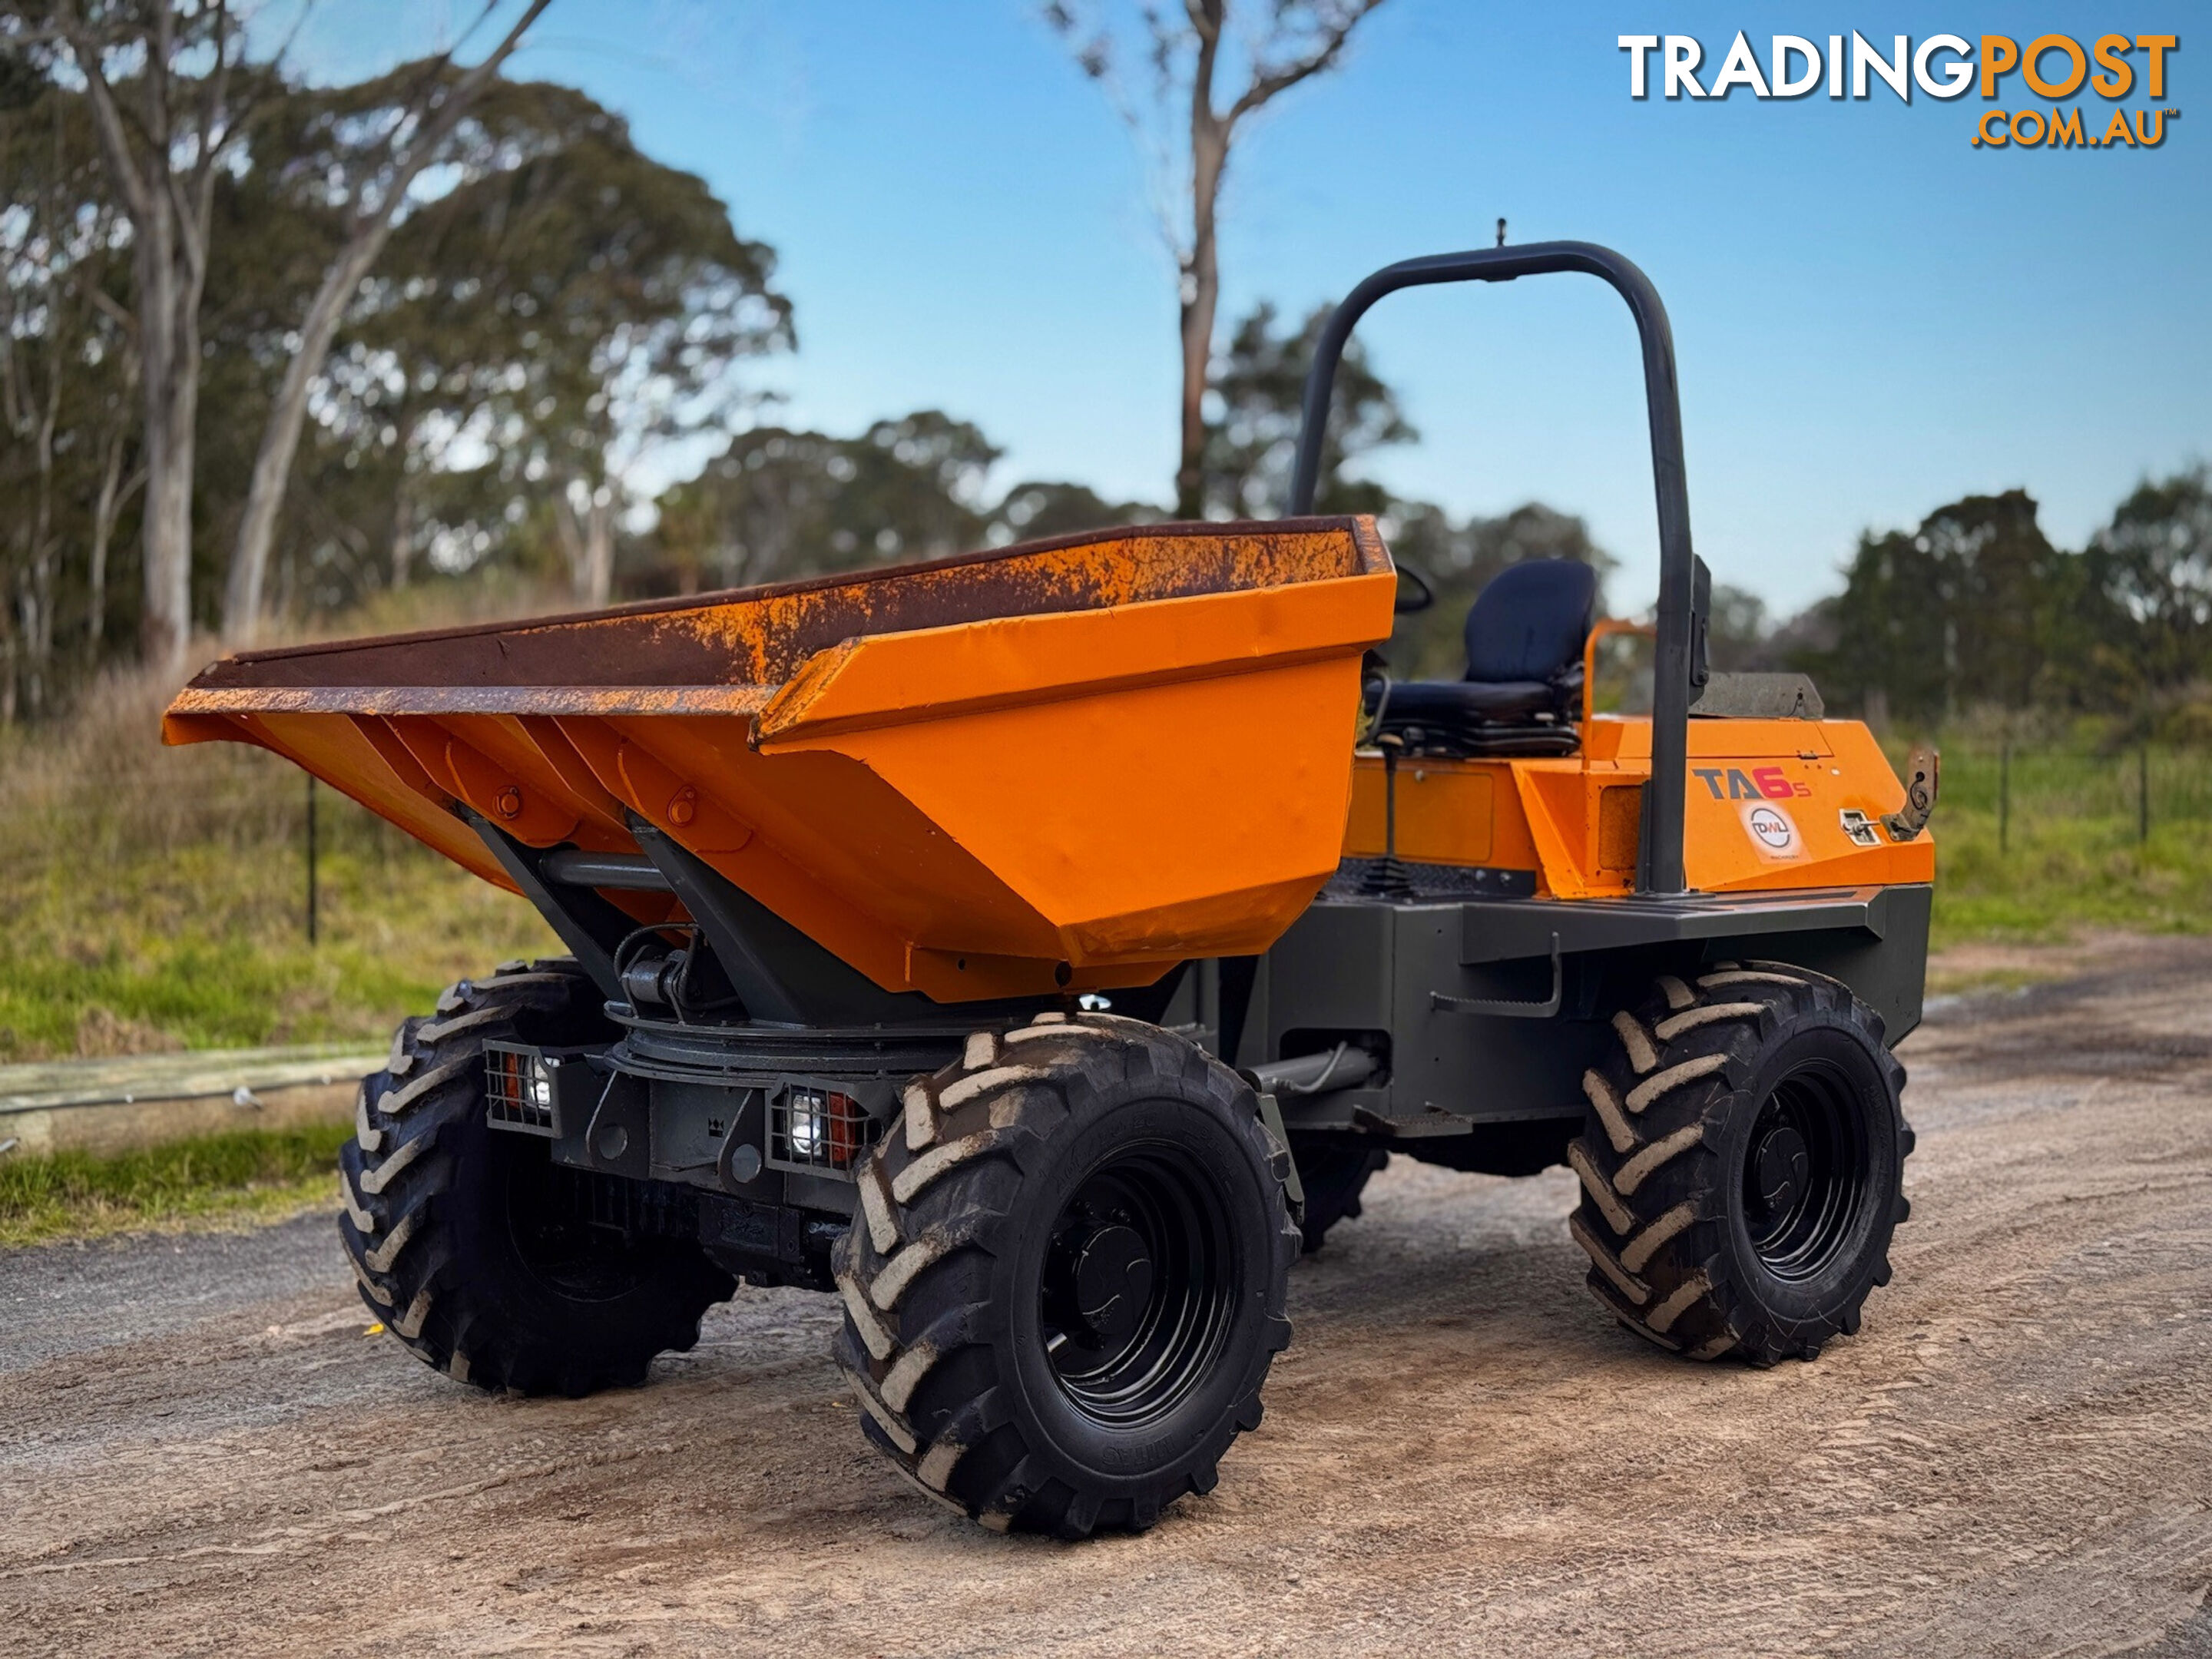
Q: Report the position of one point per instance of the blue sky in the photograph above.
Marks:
(1873, 316)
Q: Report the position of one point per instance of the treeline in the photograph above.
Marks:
(1976, 611)
(485, 316)
(546, 304)
(548, 311)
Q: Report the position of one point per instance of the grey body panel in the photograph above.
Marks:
(1484, 1010)
(1374, 968)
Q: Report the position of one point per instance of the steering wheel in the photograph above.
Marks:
(1423, 596)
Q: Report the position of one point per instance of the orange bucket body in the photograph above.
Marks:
(1067, 764)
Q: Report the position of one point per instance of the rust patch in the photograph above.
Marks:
(198, 702)
(676, 657)
(1620, 826)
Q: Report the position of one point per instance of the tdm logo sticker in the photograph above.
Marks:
(1771, 831)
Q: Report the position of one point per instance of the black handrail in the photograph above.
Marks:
(1659, 860)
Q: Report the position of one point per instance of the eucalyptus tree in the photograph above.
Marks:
(170, 94)
(1188, 79)
(359, 155)
(778, 503)
(174, 97)
(591, 302)
(543, 327)
(68, 374)
(2153, 560)
(1251, 439)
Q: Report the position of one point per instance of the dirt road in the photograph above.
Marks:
(201, 1452)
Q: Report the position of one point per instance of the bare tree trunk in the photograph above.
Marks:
(114, 490)
(402, 536)
(587, 541)
(170, 212)
(1275, 69)
(280, 437)
(15, 613)
(369, 228)
(590, 544)
(1201, 292)
(39, 626)
(172, 384)
(600, 552)
(18, 420)
(566, 531)
(39, 588)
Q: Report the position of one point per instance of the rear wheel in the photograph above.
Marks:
(1334, 1170)
(469, 1242)
(1064, 1285)
(1742, 1164)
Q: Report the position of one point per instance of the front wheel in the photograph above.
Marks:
(1742, 1164)
(475, 1250)
(1065, 1281)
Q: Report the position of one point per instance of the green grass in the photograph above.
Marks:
(249, 1176)
(156, 899)
(206, 947)
(2072, 855)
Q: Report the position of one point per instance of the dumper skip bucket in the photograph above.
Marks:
(1069, 763)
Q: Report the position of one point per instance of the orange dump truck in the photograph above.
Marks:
(1039, 949)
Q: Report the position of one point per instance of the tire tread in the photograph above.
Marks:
(916, 1324)
(399, 1173)
(1648, 1166)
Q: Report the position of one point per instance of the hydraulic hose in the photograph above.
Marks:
(1344, 1066)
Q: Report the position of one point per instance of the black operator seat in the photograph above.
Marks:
(1525, 634)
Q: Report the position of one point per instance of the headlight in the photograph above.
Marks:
(817, 1128)
(518, 1089)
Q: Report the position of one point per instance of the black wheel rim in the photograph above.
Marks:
(1807, 1171)
(1139, 1288)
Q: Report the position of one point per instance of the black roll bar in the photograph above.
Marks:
(1680, 661)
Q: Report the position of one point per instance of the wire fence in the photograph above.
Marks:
(90, 826)
(252, 810)
(2033, 792)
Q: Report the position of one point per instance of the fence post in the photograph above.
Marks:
(312, 895)
(2004, 795)
(2143, 795)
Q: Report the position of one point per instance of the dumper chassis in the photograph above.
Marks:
(1039, 951)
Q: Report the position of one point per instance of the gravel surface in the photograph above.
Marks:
(202, 1452)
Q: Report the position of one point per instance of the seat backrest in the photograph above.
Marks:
(1529, 622)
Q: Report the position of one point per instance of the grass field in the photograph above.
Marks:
(2067, 850)
(205, 947)
(248, 1176)
(157, 898)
